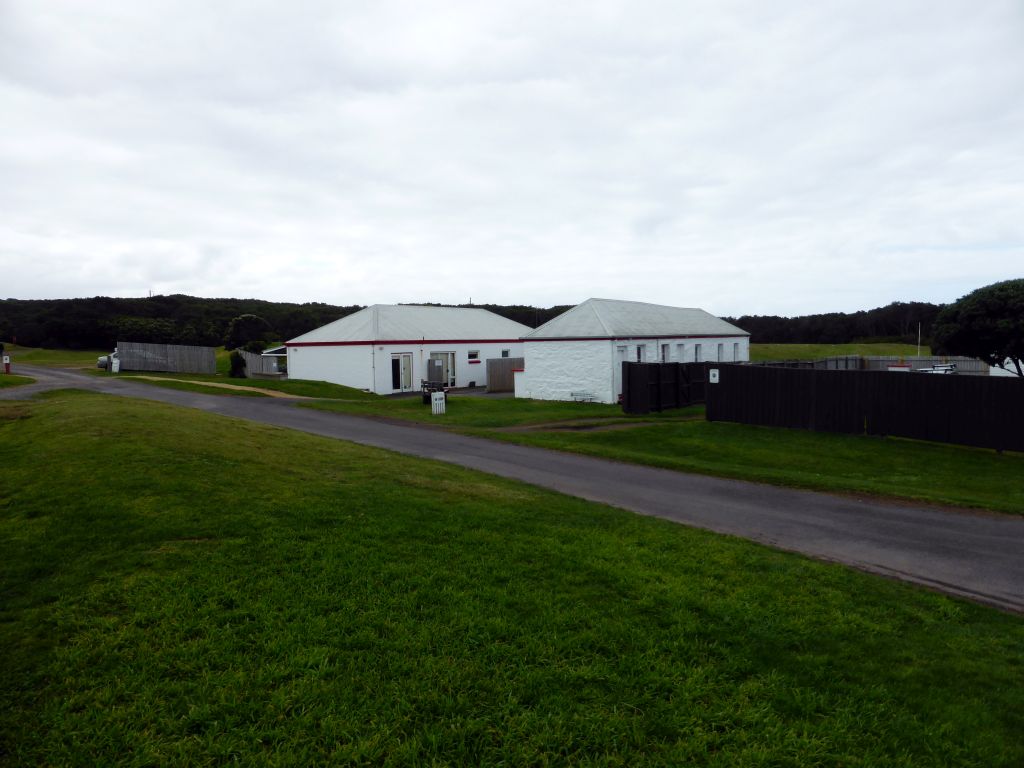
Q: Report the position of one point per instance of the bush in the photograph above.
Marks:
(237, 366)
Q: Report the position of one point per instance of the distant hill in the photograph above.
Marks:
(98, 322)
(895, 323)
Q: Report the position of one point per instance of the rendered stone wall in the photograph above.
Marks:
(556, 369)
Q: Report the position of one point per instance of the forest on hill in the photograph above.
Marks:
(100, 322)
(897, 322)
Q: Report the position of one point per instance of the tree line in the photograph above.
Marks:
(99, 322)
(897, 322)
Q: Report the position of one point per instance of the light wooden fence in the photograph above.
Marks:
(169, 358)
(963, 364)
(500, 377)
(258, 365)
(968, 365)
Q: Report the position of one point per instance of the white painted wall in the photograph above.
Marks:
(349, 366)
(368, 367)
(555, 369)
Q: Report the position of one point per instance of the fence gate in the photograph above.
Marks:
(650, 387)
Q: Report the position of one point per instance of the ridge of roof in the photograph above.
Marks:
(384, 322)
(615, 318)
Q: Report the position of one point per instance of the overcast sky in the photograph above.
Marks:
(745, 157)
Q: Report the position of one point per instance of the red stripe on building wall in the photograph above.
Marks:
(640, 338)
(404, 342)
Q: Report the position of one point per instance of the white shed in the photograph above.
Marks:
(582, 350)
(391, 348)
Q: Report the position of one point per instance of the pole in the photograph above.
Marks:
(919, 339)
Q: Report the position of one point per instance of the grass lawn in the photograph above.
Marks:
(818, 351)
(195, 590)
(59, 358)
(10, 380)
(682, 440)
(468, 411)
(909, 469)
(316, 389)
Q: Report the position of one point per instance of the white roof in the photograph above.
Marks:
(610, 318)
(410, 322)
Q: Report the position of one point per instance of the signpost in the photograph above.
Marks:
(7, 363)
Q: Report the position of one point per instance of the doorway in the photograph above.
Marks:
(446, 360)
(401, 372)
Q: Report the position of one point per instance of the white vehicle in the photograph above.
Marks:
(946, 369)
(104, 362)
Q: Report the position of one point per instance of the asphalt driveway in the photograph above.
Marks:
(961, 552)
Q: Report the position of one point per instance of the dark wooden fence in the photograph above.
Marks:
(650, 387)
(966, 410)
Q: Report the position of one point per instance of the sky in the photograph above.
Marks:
(745, 157)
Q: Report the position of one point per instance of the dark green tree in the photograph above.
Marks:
(987, 324)
(237, 365)
(245, 329)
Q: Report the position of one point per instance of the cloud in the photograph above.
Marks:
(744, 157)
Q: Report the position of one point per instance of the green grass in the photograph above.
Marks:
(315, 389)
(200, 591)
(59, 358)
(818, 351)
(188, 386)
(682, 440)
(11, 380)
(468, 411)
(908, 469)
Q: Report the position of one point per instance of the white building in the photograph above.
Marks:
(1008, 369)
(581, 351)
(391, 348)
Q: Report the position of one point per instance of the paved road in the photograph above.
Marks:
(975, 555)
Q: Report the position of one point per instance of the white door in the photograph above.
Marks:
(401, 372)
(620, 358)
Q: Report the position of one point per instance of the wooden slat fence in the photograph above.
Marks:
(650, 387)
(500, 377)
(981, 411)
(967, 365)
(168, 358)
(257, 365)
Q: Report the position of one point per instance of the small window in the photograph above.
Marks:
(681, 353)
(721, 348)
(474, 354)
(640, 349)
(698, 356)
(664, 353)
(504, 353)
(735, 352)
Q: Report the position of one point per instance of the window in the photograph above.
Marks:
(640, 349)
(474, 354)
(681, 353)
(721, 352)
(735, 352)
(504, 353)
(664, 353)
(697, 356)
